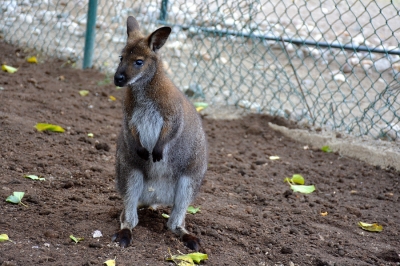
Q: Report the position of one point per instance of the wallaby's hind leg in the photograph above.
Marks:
(176, 222)
(129, 217)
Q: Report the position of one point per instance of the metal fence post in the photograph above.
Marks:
(163, 13)
(90, 34)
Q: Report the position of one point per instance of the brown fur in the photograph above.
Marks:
(161, 151)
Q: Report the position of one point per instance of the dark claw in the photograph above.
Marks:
(191, 242)
(143, 153)
(123, 237)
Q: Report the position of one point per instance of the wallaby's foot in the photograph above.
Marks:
(123, 237)
(191, 242)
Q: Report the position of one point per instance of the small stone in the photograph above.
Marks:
(51, 234)
(249, 210)
(8, 263)
(346, 68)
(381, 197)
(366, 64)
(287, 193)
(396, 67)
(44, 212)
(341, 252)
(389, 255)
(206, 57)
(45, 258)
(286, 250)
(223, 60)
(354, 61)
(339, 77)
(36, 32)
(102, 146)
(382, 64)
(68, 184)
(95, 245)
(97, 234)
(32, 199)
(319, 262)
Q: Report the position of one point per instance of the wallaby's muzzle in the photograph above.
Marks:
(119, 79)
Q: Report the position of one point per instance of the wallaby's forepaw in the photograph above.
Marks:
(123, 237)
(143, 153)
(157, 155)
(191, 242)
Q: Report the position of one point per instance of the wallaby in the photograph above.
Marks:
(161, 154)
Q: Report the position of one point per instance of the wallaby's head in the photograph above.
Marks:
(139, 58)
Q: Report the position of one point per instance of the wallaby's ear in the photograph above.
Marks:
(132, 25)
(158, 38)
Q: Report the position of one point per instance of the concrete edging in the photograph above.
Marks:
(373, 152)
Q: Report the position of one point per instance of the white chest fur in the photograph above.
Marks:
(148, 122)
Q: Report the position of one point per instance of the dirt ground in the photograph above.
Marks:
(249, 216)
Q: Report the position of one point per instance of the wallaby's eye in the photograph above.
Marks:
(139, 63)
(120, 58)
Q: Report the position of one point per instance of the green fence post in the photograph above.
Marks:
(163, 13)
(90, 34)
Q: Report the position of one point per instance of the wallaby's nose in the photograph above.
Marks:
(119, 79)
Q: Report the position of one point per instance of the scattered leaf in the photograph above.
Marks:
(49, 127)
(34, 177)
(110, 262)
(326, 149)
(193, 210)
(16, 197)
(165, 215)
(324, 213)
(90, 135)
(76, 239)
(9, 69)
(189, 259)
(4, 237)
(83, 93)
(31, 59)
(273, 158)
(287, 180)
(302, 188)
(200, 106)
(297, 184)
(112, 98)
(371, 227)
(298, 179)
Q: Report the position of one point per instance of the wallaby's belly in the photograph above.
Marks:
(158, 185)
(148, 122)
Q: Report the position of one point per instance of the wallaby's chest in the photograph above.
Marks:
(148, 122)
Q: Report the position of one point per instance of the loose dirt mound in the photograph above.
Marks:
(248, 215)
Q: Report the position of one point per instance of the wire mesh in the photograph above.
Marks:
(331, 63)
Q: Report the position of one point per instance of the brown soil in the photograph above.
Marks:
(249, 216)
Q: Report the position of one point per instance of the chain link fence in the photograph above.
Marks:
(329, 63)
